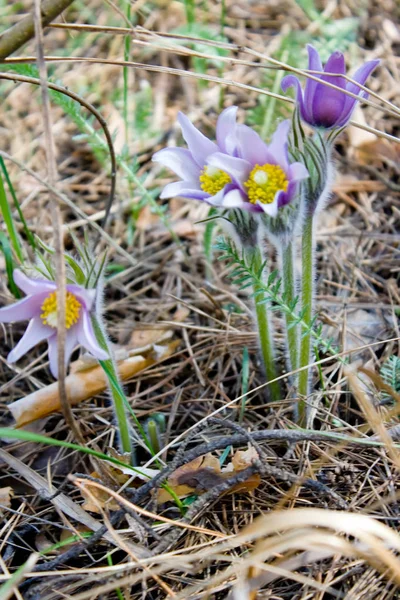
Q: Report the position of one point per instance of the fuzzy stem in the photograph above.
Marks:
(289, 289)
(265, 330)
(307, 307)
(115, 388)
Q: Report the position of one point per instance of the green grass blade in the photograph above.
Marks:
(8, 257)
(8, 220)
(30, 237)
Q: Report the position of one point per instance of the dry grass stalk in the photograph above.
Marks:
(80, 386)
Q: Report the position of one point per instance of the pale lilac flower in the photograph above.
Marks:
(264, 179)
(200, 181)
(323, 106)
(40, 308)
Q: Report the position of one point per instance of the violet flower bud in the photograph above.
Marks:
(321, 105)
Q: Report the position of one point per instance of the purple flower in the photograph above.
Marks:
(239, 171)
(264, 178)
(322, 106)
(199, 180)
(40, 308)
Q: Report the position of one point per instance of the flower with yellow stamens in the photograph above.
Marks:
(264, 182)
(40, 308)
(264, 178)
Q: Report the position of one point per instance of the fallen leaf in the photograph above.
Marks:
(204, 473)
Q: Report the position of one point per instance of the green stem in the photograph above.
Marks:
(265, 331)
(307, 308)
(116, 391)
(289, 289)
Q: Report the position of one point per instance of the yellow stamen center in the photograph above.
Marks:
(49, 310)
(212, 180)
(263, 183)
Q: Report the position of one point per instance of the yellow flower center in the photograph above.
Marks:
(264, 182)
(49, 310)
(212, 180)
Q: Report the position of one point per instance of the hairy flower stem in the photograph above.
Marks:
(265, 330)
(307, 307)
(115, 388)
(289, 288)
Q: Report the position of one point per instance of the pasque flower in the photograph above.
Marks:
(200, 181)
(238, 171)
(264, 178)
(40, 308)
(321, 105)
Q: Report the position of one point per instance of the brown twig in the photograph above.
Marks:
(57, 225)
(24, 30)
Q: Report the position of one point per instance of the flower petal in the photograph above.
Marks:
(35, 333)
(335, 64)
(186, 189)
(327, 103)
(53, 355)
(199, 145)
(314, 64)
(237, 168)
(85, 296)
(226, 125)
(360, 76)
(251, 147)
(272, 208)
(278, 147)
(292, 81)
(297, 172)
(24, 309)
(86, 337)
(32, 286)
(71, 342)
(180, 161)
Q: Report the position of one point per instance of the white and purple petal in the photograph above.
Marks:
(85, 296)
(199, 145)
(53, 355)
(32, 286)
(297, 171)
(185, 189)
(278, 148)
(24, 309)
(86, 337)
(226, 129)
(71, 343)
(237, 168)
(35, 333)
(180, 161)
(251, 147)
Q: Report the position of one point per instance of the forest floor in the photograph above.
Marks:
(238, 528)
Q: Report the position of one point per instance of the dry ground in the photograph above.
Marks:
(162, 283)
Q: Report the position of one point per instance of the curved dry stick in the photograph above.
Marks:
(95, 113)
(219, 80)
